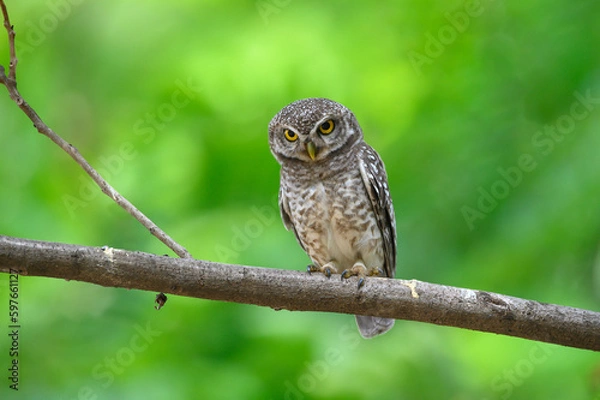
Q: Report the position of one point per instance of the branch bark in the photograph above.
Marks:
(296, 291)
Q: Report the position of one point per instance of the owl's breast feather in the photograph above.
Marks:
(337, 223)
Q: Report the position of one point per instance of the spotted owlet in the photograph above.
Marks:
(334, 195)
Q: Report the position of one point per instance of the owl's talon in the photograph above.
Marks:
(327, 269)
(360, 270)
(361, 283)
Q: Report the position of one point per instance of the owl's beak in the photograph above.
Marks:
(311, 149)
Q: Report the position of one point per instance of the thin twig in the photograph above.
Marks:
(12, 73)
(11, 85)
(299, 291)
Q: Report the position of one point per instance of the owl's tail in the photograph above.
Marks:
(370, 327)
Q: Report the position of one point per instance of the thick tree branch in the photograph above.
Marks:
(299, 291)
(11, 85)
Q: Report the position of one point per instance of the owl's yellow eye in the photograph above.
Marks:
(327, 127)
(290, 135)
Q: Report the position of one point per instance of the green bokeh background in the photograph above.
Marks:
(451, 100)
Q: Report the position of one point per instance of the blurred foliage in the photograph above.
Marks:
(171, 100)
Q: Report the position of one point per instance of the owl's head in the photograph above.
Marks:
(311, 130)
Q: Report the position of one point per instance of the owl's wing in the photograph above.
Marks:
(374, 177)
(286, 216)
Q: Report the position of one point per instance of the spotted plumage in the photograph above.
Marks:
(334, 194)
